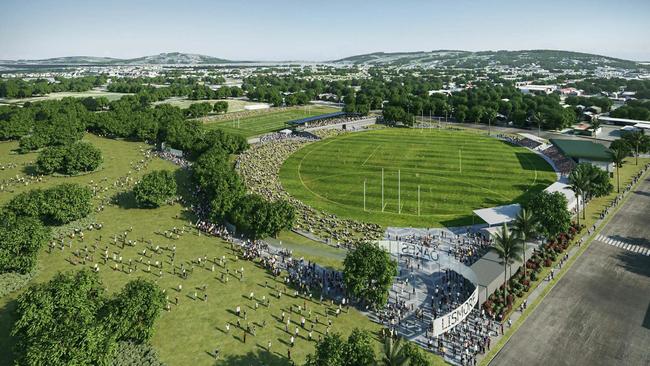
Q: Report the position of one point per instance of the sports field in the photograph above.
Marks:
(60, 95)
(430, 177)
(234, 105)
(264, 122)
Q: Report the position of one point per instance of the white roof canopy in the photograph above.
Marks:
(564, 189)
(498, 215)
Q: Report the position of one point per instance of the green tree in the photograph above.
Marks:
(359, 350)
(155, 188)
(579, 181)
(199, 109)
(57, 322)
(330, 351)
(50, 159)
(134, 311)
(259, 218)
(539, 119)
(69, 159)
(81, 157)
(21, 237)
(525, 228)
(416, 356)
(220, 107)
(618, 158)
(368, 273)
(550, 210)
(333, 350)
(597, 183)
(639, 143)
(132, 354)
(219, 183)
(30, 203)
(490, 116)
(56, 206)
(66, 203)
(508, 246)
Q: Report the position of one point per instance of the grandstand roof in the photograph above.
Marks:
(581, 149)
(302, 121)
(498, 215)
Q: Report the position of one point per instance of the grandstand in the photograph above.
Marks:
(581, 151)
(305, 122)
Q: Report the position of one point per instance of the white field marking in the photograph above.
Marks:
(370, 156)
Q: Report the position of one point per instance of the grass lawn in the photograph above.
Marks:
(301, 246)
(234, 105)
(456, 172)
(194, 328)
(264, 122)
(61, 95)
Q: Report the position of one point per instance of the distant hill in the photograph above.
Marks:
(172, 58)
(549, 59)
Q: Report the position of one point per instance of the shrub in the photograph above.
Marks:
(131, 354)
(12, 281)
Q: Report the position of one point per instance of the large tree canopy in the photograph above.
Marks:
(369, 273)
(56, 206)
(70, 321)
(135, 309)
(20, 239)
(550, 210)
(219, 183)
(259, 218)
(69, 159)
(58, 322)
(155, 188)
(333, 350)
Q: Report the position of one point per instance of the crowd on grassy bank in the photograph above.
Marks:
(259, 167)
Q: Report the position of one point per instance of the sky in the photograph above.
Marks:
(275, 30)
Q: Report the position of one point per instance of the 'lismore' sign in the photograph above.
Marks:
(446, 322)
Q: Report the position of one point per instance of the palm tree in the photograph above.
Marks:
(580, 182)
(491, 115)
(618, 157)
(508, 247)
(447, 108)
(538, 119)
(393, 353)
(525, 227)
(637, 140)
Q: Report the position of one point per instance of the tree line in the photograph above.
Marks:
(20, 88)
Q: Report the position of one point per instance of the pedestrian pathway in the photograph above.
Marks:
(623, 245)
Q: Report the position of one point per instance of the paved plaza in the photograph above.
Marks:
(599, 313)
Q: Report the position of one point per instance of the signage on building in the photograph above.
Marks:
(446, 322)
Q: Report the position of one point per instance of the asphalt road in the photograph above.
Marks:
(599, 313)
